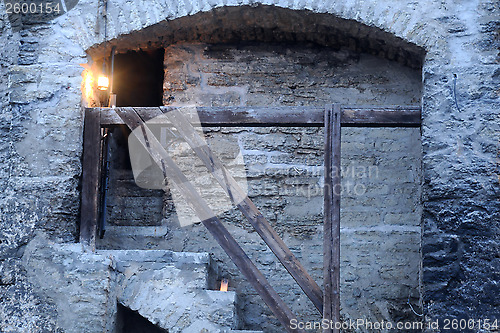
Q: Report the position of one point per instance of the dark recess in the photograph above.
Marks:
(138, 78)
(138, 82)
(129, 321)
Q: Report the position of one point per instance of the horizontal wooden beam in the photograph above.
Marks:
(284, 116)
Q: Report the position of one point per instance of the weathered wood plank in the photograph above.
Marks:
(246, 116)
(104, 184)
(246, 206)
(209, 219)
(91, 171)
(331, 245)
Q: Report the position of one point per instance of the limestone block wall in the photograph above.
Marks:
(41, 124)
(40, 151)
(381, 168)
(128, 204)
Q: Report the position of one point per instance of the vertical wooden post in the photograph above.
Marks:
(104, 181)
(91, 170)
(331, 242)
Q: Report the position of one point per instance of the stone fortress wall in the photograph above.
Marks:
(41, 129)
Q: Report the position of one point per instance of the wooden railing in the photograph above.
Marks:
(331, 117)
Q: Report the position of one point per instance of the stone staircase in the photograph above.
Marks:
(174, 290)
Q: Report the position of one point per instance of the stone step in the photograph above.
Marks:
(126, 237)
(187, 270)
(179, 310)
(165, 287)
(189, 315)
(170, 290)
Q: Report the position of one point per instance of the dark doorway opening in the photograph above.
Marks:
(138, 78)
(129, 321)
(137, 82)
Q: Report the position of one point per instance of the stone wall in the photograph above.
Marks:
(460, 138)
(41, 123)
(40, 153)
(381, 198)
(459, 135)
(381, 167)
(128, 204)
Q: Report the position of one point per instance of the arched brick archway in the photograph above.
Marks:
(413, 23)
(266, 23)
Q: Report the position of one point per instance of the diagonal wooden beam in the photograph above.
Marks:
(246, 206)
(331, 237)
(210, 220)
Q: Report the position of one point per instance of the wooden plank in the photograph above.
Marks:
(246, 116)
(210, 220)
(246, 206)
(90, 178)
(387, 116)
(331, 245)
(104, 184)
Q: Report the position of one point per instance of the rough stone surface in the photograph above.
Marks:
(173, 295)
(40, 141)
(167, 288)
(127, 203)
(380, 169)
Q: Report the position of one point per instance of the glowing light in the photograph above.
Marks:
(88, 81)
(102, 83)
(223, 285)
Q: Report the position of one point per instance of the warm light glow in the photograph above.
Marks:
(223, 285)
(102, 83)
(88, 81)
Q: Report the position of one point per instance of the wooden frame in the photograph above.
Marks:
(331, 224)
(283, 116)
(91, 170)
(332, 118)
